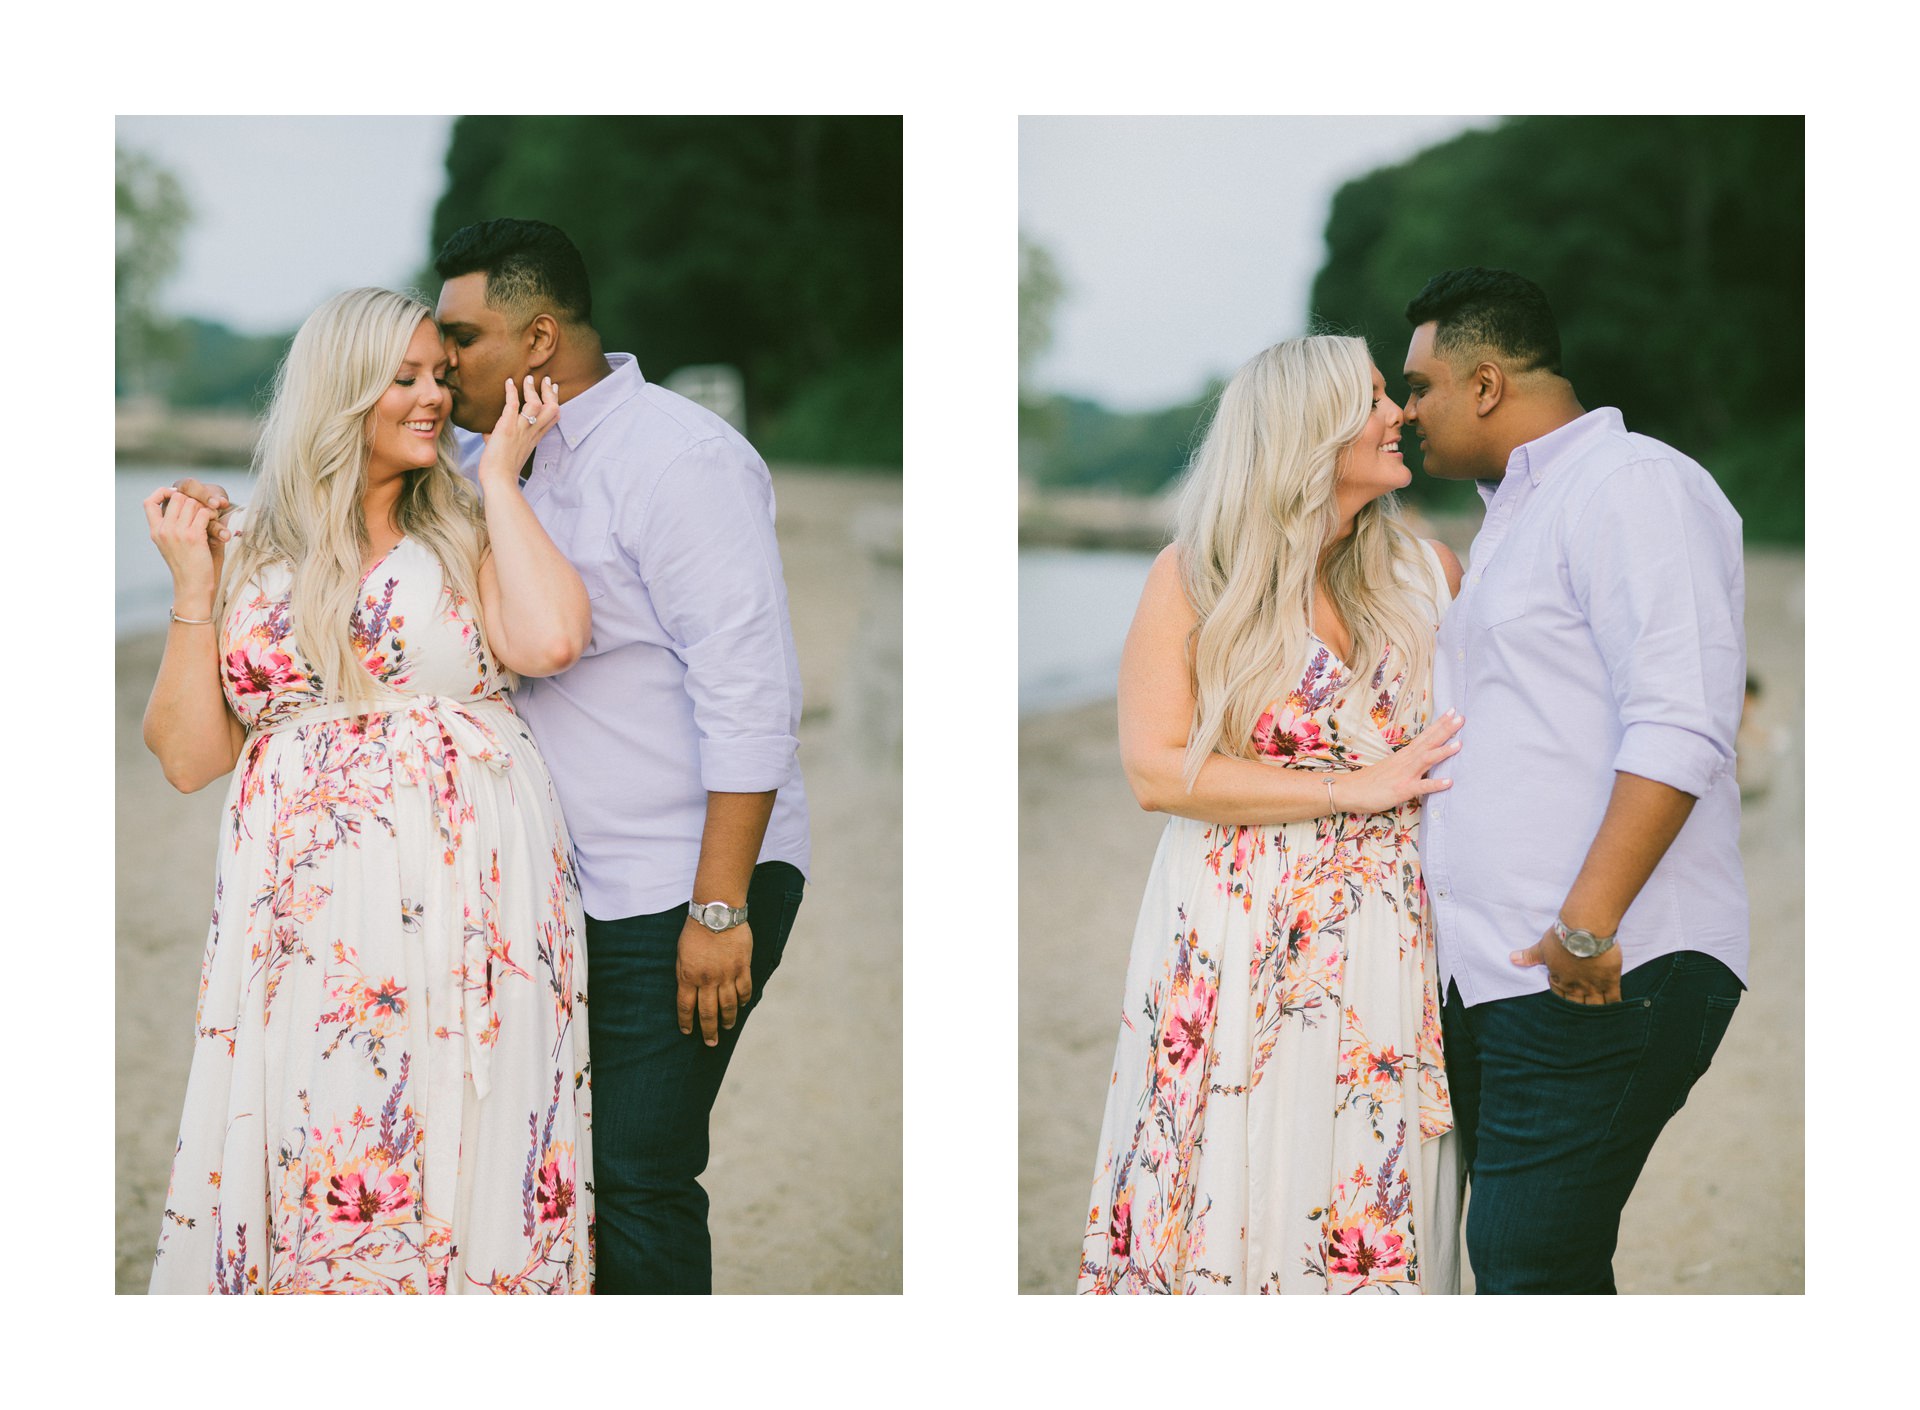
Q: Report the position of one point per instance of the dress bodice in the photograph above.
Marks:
(414, 634)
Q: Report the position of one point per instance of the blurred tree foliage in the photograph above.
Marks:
(1673, 250)
(772, 243)
(149, 211)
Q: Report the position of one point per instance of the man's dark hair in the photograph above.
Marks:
(525, 261)
(1489, 308)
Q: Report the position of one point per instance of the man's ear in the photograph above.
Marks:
(543, 341)
(1487, 386)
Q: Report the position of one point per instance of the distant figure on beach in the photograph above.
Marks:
(388, 1091)
(1588, 899)
(1278, 1119)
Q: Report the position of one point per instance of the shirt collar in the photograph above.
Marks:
(1539, 455)
(579, 415)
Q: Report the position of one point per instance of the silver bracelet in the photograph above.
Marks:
(190, 621)
(1331, 808)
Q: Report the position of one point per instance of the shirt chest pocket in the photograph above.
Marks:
(1503, 592)
(585, 539)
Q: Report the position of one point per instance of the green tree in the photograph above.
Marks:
(1672, 249)
(770, 243)
(1041, 290)
(150, 211)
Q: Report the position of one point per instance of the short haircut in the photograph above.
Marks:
(527, 263)
(1489, 308)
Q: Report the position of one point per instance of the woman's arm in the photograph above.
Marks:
(1156, 710)
(532, 602)
(1449, 564)
(188, 726)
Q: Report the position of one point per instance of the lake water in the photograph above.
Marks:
(142, 586)
(1075, 607)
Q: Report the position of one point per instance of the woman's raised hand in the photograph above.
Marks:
(523, 421)
(1381, 787)
(178, 525)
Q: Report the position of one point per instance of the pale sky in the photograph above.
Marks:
(291, 210)
(1187, 244)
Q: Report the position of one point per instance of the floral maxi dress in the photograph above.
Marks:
(389, 1083)
(1278, 1116)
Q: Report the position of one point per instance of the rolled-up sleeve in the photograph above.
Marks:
(1656, 566)
(704, 545)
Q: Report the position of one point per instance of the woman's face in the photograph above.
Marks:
(1371, 465)
(407, 421)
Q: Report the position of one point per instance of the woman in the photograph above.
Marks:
(1278, 1114)
(388, 1087)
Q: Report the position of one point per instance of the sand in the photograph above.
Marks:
(1720, 1207)
(805, 1178)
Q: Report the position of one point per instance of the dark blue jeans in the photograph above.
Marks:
(1558, 1105)
(654, 1086)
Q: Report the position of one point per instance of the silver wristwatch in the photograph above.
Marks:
(1581, 944)
(717, 915)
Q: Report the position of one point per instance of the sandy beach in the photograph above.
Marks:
(1720, 1207)
(806, 1173)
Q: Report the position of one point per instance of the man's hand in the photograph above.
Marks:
(1594, 981)
(716, 977)
(215, 498)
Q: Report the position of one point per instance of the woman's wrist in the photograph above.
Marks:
(192, 602)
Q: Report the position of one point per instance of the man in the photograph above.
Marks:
(1584, 866)
(671, 742)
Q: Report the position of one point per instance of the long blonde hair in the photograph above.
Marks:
(1256, 510)
(311, 473)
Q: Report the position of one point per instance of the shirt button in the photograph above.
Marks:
(1460, 655)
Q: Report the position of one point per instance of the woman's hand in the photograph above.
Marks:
(1382, 787)
(179, 526)
(514, 436)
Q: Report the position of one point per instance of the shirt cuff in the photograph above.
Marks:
(747, 765)
(1669, 754)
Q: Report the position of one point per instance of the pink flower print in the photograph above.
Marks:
(382, 999)
(360, 1198)
(1386, 1066)
(1189, 1017)
(1287, 736)
(555, 1192)
(260, 677)
(1349, 1252)
(1120, 1226)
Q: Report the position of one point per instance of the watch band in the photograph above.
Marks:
(717, 915)
(1581, 944)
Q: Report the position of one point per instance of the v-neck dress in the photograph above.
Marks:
(389, 1083)
(1278, 1118)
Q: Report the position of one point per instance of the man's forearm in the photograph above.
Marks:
(1642, 819)
(730, 844)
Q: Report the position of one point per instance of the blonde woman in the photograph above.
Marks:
(388, 1085)
(1278, 1116)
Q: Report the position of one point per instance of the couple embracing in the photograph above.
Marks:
(1451, 893)
(511, 718)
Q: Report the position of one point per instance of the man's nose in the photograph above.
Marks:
(1406, 411)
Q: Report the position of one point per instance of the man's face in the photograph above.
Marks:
(482, 348)
(1440, 412)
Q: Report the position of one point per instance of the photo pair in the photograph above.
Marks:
(513, 653)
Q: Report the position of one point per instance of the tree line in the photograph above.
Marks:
(1672, 249)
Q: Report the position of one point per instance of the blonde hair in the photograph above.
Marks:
(311, 474)
(1256, 510)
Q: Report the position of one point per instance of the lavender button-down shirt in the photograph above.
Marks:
(690, 682)
(1599, 630)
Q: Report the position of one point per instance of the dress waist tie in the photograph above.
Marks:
(432, 738)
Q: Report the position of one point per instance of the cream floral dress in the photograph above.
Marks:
(389, 1086)
(1278, 1118)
